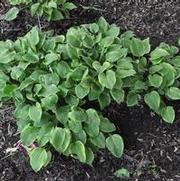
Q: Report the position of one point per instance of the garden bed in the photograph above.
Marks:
(152, 147)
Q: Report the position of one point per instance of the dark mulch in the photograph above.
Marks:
(152, 147)
(157, 19)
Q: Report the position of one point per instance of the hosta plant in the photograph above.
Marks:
(37, 71)
(157, 76)
(163, 80)
(53, 10)
(52, 79)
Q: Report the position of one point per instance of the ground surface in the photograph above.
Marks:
(152, 147)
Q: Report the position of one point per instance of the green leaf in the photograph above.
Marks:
(168, 114)
(3, 76)
(35, 112)
(82, 90)
(158, 55)
(125, 64)
(94, 28)
(176, 61)
(52, 4)
(16, 72)
(88, 41)
(63, 91)
(49, 79)
(78, 115)
(56, 15)
(25, 83)
(12, 14)
(140, 47)
(29, 135)
(51, 57)
(44, 134)
(49, 156)
(107, 79)
(62, 114)
(114, 56)
(106, 126)
(168, 72)
(18, 97)
(72, 100)
(81, 136)
(113, 31)
(153, 100)
(126, 38)
(73, 40)
(6, 58)
(78, 149)
(92, 126)
(21, 111)
(122, 173)
(49, 45)
(69, 6)
(35, 74)
(126, 73)
(103, 25)
(99, 141)
(104, 100)
(37, 88)
(75, 122)
(132, 99)
(101, 68)
(49, 90)
(49, 102)
(33, 37)
(107, 41)
(57, 138)
(8, 90)
(67, 140)
(89, 156)
(31, 57)
(73, 52)
(78, 73)
(115, 145)
(173, 93)
(62, 69)
(155, 68)
(38, 158)
(95, 91)
(34, 8)
(59, 39)
(118, 95)
(155, 80)
(139, 85)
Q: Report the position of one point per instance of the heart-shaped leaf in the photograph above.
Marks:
(107, 79)
(153, 100)
(168, 114)
(38, 158)
(173, 93)
(115, 145)
(35, 112)
(12, 14)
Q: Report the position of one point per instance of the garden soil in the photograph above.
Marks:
(152, 148)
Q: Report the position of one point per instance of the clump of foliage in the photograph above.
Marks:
(163, 80)
(53, 10)
(48, 83)
(52, 78)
